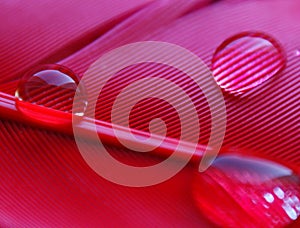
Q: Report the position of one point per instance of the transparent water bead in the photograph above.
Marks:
(238, 191)
(246, 60)
(52, 86)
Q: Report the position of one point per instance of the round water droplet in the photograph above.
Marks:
(52, 86)
(246, 60)
(238, 191)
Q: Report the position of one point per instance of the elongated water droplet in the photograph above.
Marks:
(246, 60)
(52, 86)
(238, 191)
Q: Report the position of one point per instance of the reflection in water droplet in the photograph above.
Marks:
(238, 191)
(269, 197)
(278, 192)
(51, 86)
(246, 60)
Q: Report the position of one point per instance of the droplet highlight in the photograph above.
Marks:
(52, 87)
(239, 191)
(246, 60)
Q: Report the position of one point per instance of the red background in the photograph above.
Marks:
(45, 181)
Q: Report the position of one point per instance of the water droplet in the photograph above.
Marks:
(225, 192)
(246, 60)
(52, 86)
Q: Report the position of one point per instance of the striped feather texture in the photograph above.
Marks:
(44, 179)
